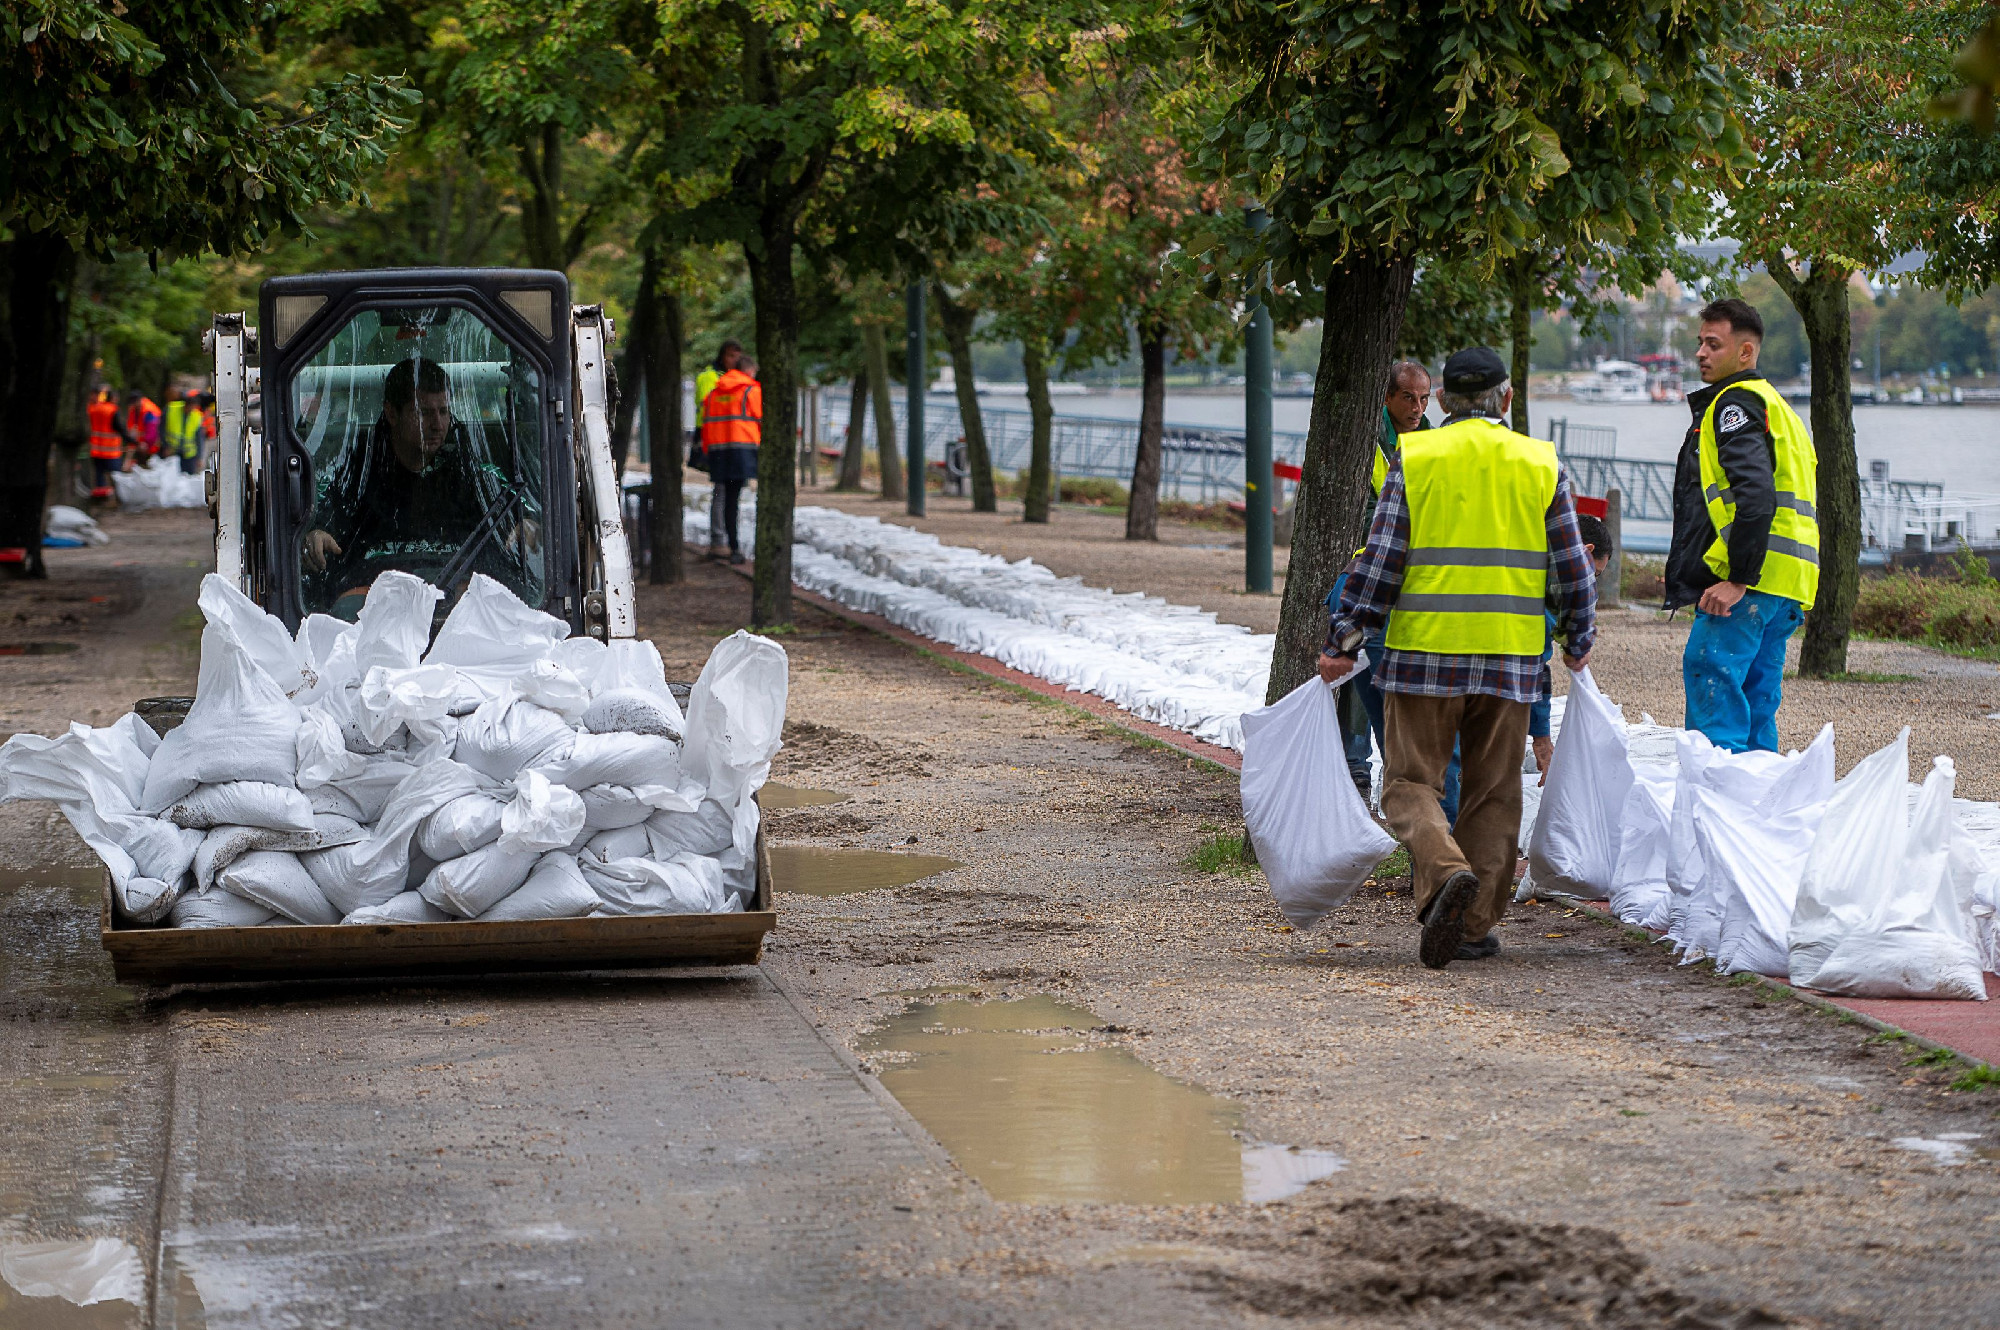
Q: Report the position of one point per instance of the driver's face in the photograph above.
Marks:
(423, 426)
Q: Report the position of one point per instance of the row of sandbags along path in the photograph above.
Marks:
(1073, 1079)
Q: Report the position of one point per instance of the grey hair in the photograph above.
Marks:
(1488, 403)
(1402, 367)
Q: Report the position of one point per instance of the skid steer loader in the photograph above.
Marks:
(442, 422)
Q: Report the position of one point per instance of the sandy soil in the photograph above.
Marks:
(1523, 1135)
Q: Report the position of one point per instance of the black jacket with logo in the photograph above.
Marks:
(1749, 463)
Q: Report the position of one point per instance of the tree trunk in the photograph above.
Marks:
(958, 320)
(776, 293)
(541, 210)
(876, 345)
(660, 336)
(1364, 317)
(1142, 515)
(37, 272)
(1041, 430)
(1821, 300)
(855, 451)
(1520, 318)
(629, 370)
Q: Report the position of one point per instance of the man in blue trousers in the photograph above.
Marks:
(1745, 548)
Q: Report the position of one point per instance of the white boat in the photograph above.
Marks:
(1613, 381)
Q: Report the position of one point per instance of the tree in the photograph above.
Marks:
(956, 317)
(1848, 172)
(1384, 138)
(156, 128)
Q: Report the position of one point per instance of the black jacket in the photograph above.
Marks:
(1749, 461)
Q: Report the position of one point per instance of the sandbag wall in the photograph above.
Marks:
(362, 773)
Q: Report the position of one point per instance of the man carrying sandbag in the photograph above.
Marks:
(1745, 549)
(1474, 529)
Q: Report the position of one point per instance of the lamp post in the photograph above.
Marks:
(1259, 488)
(916, 377)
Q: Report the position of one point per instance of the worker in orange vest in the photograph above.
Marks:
(732, 425)
(142, 423)
(107, 449)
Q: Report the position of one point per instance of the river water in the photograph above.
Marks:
(1956, 446)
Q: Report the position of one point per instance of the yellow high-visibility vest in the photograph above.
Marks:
(704, 384)
(1791, 555)
(1478, 566)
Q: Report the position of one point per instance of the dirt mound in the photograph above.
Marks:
(1433, 1262)
(821, 747)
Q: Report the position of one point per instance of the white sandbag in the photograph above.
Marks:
(609, 806)
(241, 727)
(631, 760)
(224, 845)
(686, 884)
(323, 753)
(1574, 847)
(95, 776)
(67, 523)
(735, 725)
(1745, 777)
(469, 822)
(631, 662)
(1752, 860)
(390, 699)
(244, 803)
(263, 636)
(555, 687)
(395, 623)
(216, 908)
(556, 889)
(540, 817)
(506, 735)
(1639, 892)
(472, 884)
(707, 830)
(621, 843)
(1885, 909)
(277, 881)
(406, 908)
(633, 711)
(492, 631)
(581, 656)
(330, 799)
(1314, 837)
(380, 778)
(369, 872)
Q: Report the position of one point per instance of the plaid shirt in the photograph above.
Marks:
(1377, 577)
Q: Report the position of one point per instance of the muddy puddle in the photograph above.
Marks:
(813, 871)
(1034, 1103)
(774, 797)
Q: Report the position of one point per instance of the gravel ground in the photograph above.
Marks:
(1575, 1133)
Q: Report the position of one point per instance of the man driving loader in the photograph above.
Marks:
(419, 495)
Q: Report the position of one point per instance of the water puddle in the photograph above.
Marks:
(36, 648)
(812, 871)
(773, 797)
(1947, 1149)
(1031, 1102)
(71, 1285)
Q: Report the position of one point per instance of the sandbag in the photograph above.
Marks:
(540, 816)
(554, 687)
(388, 700)
(1752, 860)
(469, 822)
(369, 872)
(395, 623)
(262, 636)
(555, 889)
(609, 806)
(241, 727)
(735, 725)
(472, 884)
(276, 880)
(380, 777)
(224, 845)
(329, 799)
(323, 753)
(1639, 892)
(615, 759)
(221, 909)
(1574, 846)
(405, 908)
(621, 843)
(707, 830)
(633, 711)
(687, 884)
(244, 803)
(1885, 908)
(1314, 837)
(506, 735)
(491, 630)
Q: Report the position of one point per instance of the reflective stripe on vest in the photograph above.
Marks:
(729, 419)
(104, 441)
(1476, 577)
(1791, 554)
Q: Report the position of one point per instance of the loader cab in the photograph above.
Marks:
(418, 420)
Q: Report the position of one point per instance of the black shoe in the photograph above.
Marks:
(1444, 920)
(736, 557)
(1484, 949)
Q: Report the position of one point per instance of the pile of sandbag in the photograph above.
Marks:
(1762, 863)
(363, 773)
(159, 484)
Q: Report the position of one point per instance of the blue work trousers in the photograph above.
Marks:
(1734, 671)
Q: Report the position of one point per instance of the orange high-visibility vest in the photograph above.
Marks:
(105, 445)
(734, 412)
(142, 421)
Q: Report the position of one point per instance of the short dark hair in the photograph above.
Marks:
(406, 377)
(728, 344)
(1402, 367)
(1595, 534)
(1740, 315)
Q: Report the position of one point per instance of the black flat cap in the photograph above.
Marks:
(1474, 370)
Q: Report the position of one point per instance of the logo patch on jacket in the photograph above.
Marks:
(1731, 418)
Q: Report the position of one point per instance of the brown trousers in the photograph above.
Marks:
(1491, 735)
